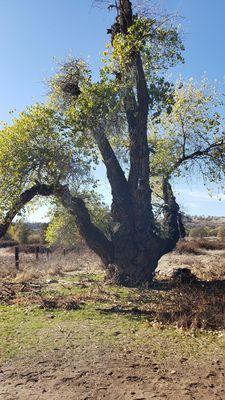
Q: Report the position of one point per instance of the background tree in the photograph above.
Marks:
(221, 232)
(63, 230)
(20, 232)
(198, 232)
(42, 232)
(145, 130)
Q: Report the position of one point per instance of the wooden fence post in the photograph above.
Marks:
(17, 260)
(37, 252)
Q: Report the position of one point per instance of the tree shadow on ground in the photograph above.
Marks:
(168, 284)
(200, 305)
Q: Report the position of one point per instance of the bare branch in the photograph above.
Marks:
(200, 153)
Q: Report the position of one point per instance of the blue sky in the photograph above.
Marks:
(33, 33)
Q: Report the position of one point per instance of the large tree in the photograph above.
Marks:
(144, 129)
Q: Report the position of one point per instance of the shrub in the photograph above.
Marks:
(34, 238)
(198, 306)
(210, 231)
(197, 247)
(188, 247)
(211, 244)
(198, 232)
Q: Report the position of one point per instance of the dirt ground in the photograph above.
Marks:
(210, 265)
(100, 373)
(156, 366)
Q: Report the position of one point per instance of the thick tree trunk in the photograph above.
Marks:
(121, 209)
(139, 271)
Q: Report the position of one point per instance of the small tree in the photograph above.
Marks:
(221, 232)
(21, 232)
(42, 232)
(198, 232)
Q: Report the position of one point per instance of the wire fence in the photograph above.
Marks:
(40, 260)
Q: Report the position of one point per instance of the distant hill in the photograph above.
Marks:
(200, 221)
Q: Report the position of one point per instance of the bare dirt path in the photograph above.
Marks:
(99, 373)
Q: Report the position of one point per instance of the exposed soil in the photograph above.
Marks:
(87, 369)
(210, 265)
(112, 373)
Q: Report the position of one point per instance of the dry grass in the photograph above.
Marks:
(205, 264)
(54, 264)
(195, 306)
(189, 247)
(197, 247)
(211, 244)
(59, 302)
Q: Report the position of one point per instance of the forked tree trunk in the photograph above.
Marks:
(131, 256)
(134, 263)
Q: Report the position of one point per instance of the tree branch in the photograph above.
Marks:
(94, 237)
(121, 200)
(199, 153)
(172, 218)
(139, 149)
(126, 15)
(25, 197)
(136, 110)
(115, 173)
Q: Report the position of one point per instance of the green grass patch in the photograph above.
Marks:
(129, 319)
